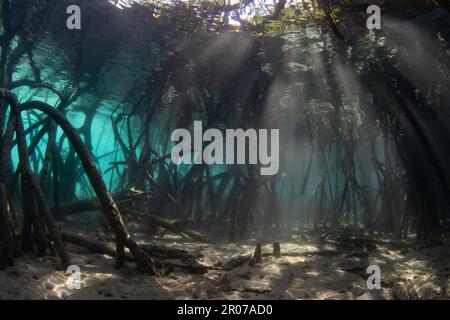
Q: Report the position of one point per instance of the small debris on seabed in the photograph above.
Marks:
(241, 271)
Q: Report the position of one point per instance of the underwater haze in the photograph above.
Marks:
(250, 149)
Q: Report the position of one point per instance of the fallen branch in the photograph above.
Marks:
(92, 245)
(362, 241)
(161, 255)
(175, 226)
(79, 206)
(170, 253)
(255, 290)
(324, 253)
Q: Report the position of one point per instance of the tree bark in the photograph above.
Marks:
(35, 187)
(108, 204)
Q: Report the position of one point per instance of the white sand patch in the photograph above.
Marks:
(303, 276)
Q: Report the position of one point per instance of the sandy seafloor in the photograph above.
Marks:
(306, 276)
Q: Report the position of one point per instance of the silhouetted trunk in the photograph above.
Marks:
(109, 207)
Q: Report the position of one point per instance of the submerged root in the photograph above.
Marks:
(144, 262)
(109, 207)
